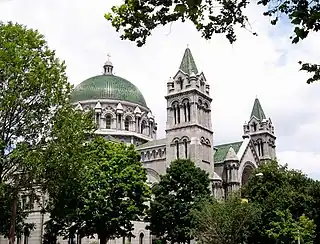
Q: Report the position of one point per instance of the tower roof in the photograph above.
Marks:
(257, 110)
(187, 64)
(231, 155)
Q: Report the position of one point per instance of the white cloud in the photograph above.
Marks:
(265, 66)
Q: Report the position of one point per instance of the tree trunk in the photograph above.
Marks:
(79, 238)
(103, 238)
(13, 220)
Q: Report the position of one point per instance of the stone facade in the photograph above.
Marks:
(122, 115)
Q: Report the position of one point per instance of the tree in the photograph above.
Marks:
(278, 189)
(33, 86)
(136, 19)
(6, 212)
(116, 190)
(287, 230)
(62, 164)
(179, 192)
(225, 222)
(105, 197)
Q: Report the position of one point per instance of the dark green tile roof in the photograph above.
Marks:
(257, 110)
(187, 64)
(107, 87)
(223, 149)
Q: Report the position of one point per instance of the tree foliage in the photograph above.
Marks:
(33, 86)
(225, 222)
(137, 19)
(6, 199)
(102, 195)
(62, 166)
(279, 190)
(116, 190)
(284, 229)
(179, 192)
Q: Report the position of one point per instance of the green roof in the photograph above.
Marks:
(223, 149)
(153, 143)
(187, 64)
(107, 87)
(257, 110)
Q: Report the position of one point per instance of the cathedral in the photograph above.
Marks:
(122, 115)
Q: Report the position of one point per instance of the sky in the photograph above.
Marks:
(263, 66)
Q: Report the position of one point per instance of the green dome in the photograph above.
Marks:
(107, 87)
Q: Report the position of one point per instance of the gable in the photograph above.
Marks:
(222, 150)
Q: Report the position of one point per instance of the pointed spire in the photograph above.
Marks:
(257, 110)
(187, 64)
(231, 155)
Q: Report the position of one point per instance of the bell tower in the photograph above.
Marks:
(188, 128)
(261, 131)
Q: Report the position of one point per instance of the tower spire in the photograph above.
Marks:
(188, 64)
(257, 110)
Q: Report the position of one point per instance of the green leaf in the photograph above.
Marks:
(181, 8)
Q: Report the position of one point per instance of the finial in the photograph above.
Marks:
(256, 96)
(109, 56)
(187, 45)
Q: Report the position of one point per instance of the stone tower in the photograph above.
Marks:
(188, 129)
(232, 164)
(261, 131)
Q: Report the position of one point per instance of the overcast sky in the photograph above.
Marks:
(264, 66)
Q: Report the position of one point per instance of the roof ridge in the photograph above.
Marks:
(229, 143)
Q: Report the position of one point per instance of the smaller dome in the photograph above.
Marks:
(108, 63)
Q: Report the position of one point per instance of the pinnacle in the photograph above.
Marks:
(231, 155)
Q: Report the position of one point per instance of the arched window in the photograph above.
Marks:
(260, 147)
(127, 123)
(262, 152)
(178, 112)
(188, 109)
(141, 236)
(254, 126)
(185, 112)
(108, 121)
(177, 149)
(143, 127)
(175, 114)
(181, 83)
(185, 148)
